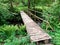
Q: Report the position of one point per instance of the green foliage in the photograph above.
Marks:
(52, 15)
(55, 35)
(7, 31)
(22, 30)
(21, 41)
(4, 14)
(7, 16)
(42, 2)
(54, 9)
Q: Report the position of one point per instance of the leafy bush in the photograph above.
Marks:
(7, 17)
(4, 14)
(7, 31)
(21, 41)
(52, 15)
(22, 30)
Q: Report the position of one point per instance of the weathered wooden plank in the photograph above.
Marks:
(33, 29)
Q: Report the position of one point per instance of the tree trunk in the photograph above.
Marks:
(11, 6)
(28, 4)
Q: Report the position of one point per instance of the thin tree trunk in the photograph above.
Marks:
(11, 5)
(28, 4)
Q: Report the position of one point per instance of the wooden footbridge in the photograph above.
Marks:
(36, 33)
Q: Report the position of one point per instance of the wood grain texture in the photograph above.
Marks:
(34, 30)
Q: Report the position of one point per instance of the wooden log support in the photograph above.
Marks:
(36, 43)
(46, 41)
(36, 33)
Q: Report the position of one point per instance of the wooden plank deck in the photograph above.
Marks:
(33, 29)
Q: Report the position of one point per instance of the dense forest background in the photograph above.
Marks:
(12, 29)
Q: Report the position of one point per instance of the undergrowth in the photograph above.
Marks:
(14, 35)
(7, 31)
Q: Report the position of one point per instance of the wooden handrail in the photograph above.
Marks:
(40, 19)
